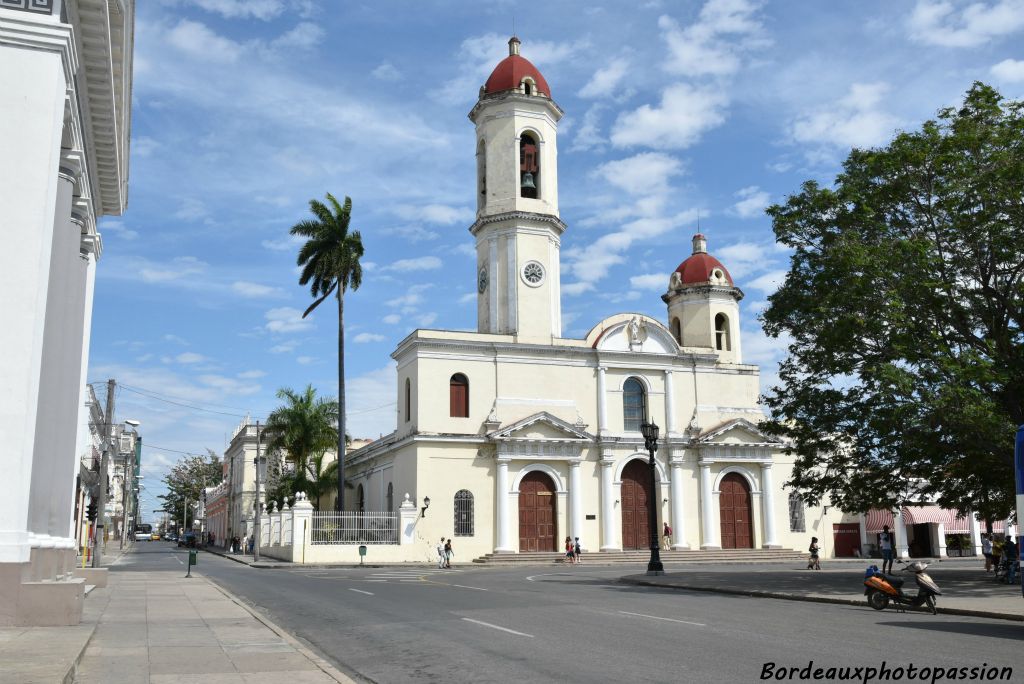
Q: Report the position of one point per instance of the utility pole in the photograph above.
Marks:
(127, 485)
(101, 499)
(257, 531)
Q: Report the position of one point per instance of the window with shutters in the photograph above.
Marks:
(634, 405)
(463, 513)
(408, 400)
(458, 395)
(796, 513)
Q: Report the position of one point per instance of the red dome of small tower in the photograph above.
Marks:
(511, 71)
(701, 267)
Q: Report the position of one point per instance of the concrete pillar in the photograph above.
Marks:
(902, 549)
(768, 507)
(602, 402)
(708, 518)
(575, 500)
(940, 540)
(975, 534)
(609, 538)
(678, 505)
(407, 515)
(862, 525)
(670, 405)
(501, 498)
(302, 521)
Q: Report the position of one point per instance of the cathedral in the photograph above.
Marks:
(540, 437)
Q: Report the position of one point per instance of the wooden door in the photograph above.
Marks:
(734, 512)
(537, 513)
(847, 539)
(635, 498)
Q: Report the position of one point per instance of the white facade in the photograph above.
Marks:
(65, 94)
(515, 424)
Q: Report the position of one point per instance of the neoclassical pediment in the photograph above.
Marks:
(739, 432)
(632, 333)
(541, 427)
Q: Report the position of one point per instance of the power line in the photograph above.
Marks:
(184, 405)
(171, 396)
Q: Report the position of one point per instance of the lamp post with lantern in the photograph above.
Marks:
(654, 566)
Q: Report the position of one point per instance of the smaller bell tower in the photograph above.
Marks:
(517, 229)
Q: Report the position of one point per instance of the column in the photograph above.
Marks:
(940, 545)
(501, 499)
(602, 402)
(407, 515)
(575, 500)
(975, 534)
(707, 516)
(670, 405)
(862, 524)
(902, 550)
(493, 285)
(678, 512)
(609, 540)
(768, 504)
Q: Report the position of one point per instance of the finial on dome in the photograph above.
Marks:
(513, 46)
(700, 244)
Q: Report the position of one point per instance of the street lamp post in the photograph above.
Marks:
(654, 566)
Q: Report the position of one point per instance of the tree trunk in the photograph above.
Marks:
(341, 399)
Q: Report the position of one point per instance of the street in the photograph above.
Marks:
(553, 623)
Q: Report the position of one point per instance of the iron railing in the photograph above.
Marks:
(354, 528)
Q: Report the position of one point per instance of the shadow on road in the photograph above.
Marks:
(1014, 632)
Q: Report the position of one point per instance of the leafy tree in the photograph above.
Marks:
(301, 431)
(330, 264)
(187, 480)
(903, 303)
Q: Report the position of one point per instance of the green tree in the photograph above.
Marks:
(187, 480)
(903, 304)
(301, 431)
(330, 264)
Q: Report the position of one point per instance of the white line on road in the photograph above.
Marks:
(360, 591)
(655, 617)
(375, 580)
(179, 560)
(503, 629)
(463, 586)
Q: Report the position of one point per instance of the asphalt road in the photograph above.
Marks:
(575, 624)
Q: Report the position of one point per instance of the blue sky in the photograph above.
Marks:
(245, 109)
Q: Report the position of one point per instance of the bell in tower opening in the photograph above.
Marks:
(529, 167)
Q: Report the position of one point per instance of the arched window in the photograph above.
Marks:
(722, 342)
(677, 330)
(796, 513)
(458, 396)
(391, 497)
(481, 173)
(463, 513)
(634, 405)
(360, 499)
(529, 167)
(408, 400)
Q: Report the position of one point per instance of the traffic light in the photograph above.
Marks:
(90, 511)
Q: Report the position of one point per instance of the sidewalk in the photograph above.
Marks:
(150, 627)
(966, 589)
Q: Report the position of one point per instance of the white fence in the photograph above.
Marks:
(354, 528)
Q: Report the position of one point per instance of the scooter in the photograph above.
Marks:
(882, 589)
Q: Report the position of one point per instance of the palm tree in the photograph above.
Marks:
(302, 429)
(330, 263)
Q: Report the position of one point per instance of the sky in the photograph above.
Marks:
(244, 110)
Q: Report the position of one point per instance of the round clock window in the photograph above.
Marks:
(481, 280)
(532, 273)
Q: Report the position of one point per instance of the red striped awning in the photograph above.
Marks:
(952, 520)
(876, 519)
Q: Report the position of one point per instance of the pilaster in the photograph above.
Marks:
(609, 536)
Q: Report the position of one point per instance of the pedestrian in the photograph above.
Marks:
(986, 550)
(1012, 557)
(885, 543)
(570, 554)
(666, 537)
(250, 544)
(440, 554)
(813, 561)
(577, 551)
(448, 553)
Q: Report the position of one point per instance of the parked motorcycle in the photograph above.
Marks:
(882, 589)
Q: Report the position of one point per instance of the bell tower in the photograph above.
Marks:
(517, 228)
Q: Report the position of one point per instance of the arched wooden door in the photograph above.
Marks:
(734, 512)
(636, 495)
(537, 513)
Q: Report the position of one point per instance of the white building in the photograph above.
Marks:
(520, 437)
(65, 97)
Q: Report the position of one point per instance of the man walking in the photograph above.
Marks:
(442, 557)
(885, 543)
(666, 537)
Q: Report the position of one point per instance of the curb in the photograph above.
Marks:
(811, 598)
(322, 664)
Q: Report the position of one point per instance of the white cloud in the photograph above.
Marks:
(117, 228)
(425, 263)
(467, 298)
(589, 133)
(176, 339)
(434, 213)
(190, 357)
(176, 269)
(647, 173)
(285, 244)
(769, 282)
(229, 385)
(254, 290)
(426, 319)
(385, 71)
(370, 404)
(392, 319)
(305, 360)
(303, 36)
(190, 209)
(605, 81)
(685, 113)
(199, 41)
(854, 121)
(409, 302)
(412, 233)
(936, 22)
(744, 258)
(251, 374)
(752, 202)
(242, 9)
(365, 337)
(284, 347)
(1009, 70)
(465, 249)
(703, 48)
(649, 281)
(286, 319)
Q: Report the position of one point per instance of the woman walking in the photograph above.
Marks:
(813, 562)
(570, 551)
(448, 553)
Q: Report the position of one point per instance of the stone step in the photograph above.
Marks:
(617, 557)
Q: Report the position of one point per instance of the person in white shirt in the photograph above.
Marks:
(885, 543)
(442, 557)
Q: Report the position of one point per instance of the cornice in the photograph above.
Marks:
(703, 289)
(504, 216)
(506, 96)
(40, 32)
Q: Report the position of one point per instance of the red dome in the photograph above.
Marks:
(509, 73)
(698, 269)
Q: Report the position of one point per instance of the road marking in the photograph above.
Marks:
(410, 580)
(179, 560)
(463, 586)
(503, 629)
(655, 617)
(551, 574)
(375, 580)
(360, 591)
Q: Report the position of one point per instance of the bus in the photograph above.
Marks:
(143, 532)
